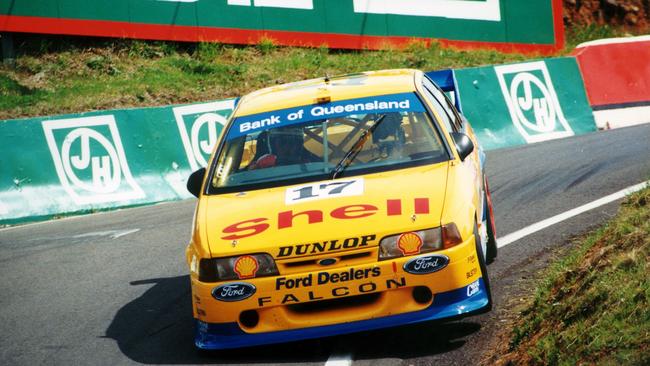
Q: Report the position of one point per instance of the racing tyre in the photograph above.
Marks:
(483, 267)
(491, 229)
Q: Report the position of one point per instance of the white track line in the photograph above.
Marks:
(511, 238)
(78, 216)
(339, 360)
(346, 359)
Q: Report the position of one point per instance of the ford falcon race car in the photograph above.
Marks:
(339, 205)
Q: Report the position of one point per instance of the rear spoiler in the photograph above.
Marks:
(446, 80)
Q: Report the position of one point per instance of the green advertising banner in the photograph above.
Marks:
(524, 103)
(533, 25)
(86, 162)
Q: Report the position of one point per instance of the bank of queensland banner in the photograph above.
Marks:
(532, 25)
(292, 116)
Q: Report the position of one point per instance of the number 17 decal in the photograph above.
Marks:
(324, 190)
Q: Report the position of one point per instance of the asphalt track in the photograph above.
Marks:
(113, 289)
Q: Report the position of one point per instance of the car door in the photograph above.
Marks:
(468, 171)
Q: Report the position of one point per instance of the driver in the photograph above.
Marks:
(389, 135)
(282, 146)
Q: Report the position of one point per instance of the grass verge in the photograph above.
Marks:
(54, 75)
(593, 306)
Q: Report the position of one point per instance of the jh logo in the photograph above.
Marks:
(200, 125)
(533, 104)
(90, 160)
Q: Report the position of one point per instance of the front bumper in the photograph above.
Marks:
(374, 295)
(467, 300)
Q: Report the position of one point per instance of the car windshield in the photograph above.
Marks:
(325, 141)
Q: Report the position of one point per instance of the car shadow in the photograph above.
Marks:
(412, 341)
(157, 328)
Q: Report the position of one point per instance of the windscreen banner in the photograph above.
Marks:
(95, 161)
(287, 117)
(511, 25)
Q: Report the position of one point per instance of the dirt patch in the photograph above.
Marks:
(632, 14)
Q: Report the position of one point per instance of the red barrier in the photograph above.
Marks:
(616, 73)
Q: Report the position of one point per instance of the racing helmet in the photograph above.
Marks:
(287, 139)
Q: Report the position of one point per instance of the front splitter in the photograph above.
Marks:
(464, 301)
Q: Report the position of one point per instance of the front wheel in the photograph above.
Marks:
(492, 249)
(482, 265)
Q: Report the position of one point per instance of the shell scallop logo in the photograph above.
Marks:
(409, 243)
(246, 267)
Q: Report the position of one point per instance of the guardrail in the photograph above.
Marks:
(108, 159)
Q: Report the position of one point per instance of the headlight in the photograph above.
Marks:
(237, 268)
(417, 242)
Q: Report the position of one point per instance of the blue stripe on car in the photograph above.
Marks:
(445, 305)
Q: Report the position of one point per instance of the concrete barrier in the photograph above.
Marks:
(617, 78)
(103, 160)
(95, 161)
(523, 103)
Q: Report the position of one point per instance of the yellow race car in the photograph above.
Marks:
(338, 205)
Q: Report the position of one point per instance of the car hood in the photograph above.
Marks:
(357, 211)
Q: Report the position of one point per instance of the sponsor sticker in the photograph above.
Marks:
(320, 191)
(231, 292)
(200, 125)
(326, 246)
(533, 104)
(291, 116)
(409, 243)
(338, 284)
(246, 266)
(426, 264)
(327, 261)
(90, 161)
(323, 278)
(472, 289)
(285, 220)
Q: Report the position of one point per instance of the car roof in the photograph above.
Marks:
(342, 87)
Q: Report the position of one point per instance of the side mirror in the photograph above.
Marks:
(195, 181)
(464, 145)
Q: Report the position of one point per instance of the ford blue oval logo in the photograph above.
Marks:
(426, 264)
(327, 262)
(235, 291)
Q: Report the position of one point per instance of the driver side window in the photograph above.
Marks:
(443, 106)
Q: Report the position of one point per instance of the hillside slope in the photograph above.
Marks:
(632, 14)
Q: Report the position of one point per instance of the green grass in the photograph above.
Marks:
(593, 307)
(577, 35)
(54, 75)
